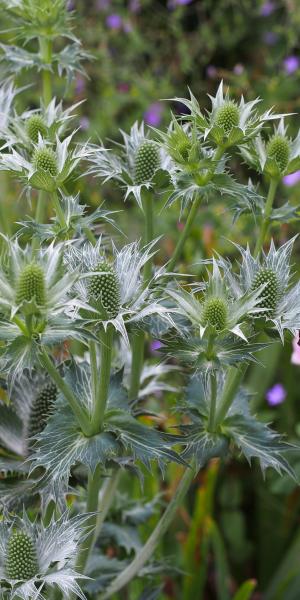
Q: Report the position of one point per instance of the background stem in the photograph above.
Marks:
(184, 234)
(46, 55)
(94, 481)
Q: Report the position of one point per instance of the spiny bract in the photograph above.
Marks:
(34, 126)
(31, 285)
(215, 313)
(278, 149)
(41, 409)
(45, 159)
(106, 288)
(21, 557)
(146, 162)
(227, 116)
(270, 294)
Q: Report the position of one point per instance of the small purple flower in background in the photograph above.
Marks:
(291, 179)
(155, 345)
(127, 27)
(70, 5)
(270, 38)
(211, 72)
(238, 69)
(180, 225)
(267, 8)
(153, 114)
(102, 5)
(295, 358)
(123, 87)
(114, 21)
(276, 395)
(173, 3)
(84, 123)
(134, 6)
(80, 84)
(291, 64)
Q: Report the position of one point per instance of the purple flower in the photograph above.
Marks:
(211, 72)
(238, 69)
(102, 4)
(114, 21)
(276, 394)
(173, 3)
(84, 123)
(267, 8)
(153, 114)
(154, 346)
(291, 179)
(70, 5)
(80, 84)
(291, 64)
(270, 38)
(134, 6)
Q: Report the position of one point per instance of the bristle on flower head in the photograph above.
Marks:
(21, 557)
(45, 159)
(278, 149)
(227, 116)
(106, 288)
(41, 409)
(270, 293)
(35, 125)
(215, 313)
(146, 162)
(31, 285)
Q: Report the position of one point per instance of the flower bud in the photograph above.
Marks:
(105, 288)
(45, 159)
(34, 126)
(278, 149)
(31, 285)
(215, 313)
(146, 162)
(21, 557)
(41, 409)
(227, 116)
(270, 294)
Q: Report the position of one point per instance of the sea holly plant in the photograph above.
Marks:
(80, 411)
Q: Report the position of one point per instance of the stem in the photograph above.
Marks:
(232, 383)
(137, 360)
(46, 55)
(267, 216)
(94, 367)
(106, 338)
(162, 526)
(39, 217)
(58, 209)
(94, 481)
(184, 234)
(213, 401)
(78, 412)
(148, 236)
(107, 494)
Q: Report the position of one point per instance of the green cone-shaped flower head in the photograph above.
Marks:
(106, 288)
(45, 159)
(31, 285)
(21, 557)
(41, 409)
(146, 162)
(227, 116)
(34, 126)
(270, 292)
(214, 313)
(278, 148)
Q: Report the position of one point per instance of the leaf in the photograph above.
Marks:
(285, 213)
(124, 536)
(203, 445)
(11, 430)
(257, 440)
(245, 591)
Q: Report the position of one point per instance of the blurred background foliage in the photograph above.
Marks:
(235, 526)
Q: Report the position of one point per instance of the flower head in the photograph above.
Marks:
(276, 394)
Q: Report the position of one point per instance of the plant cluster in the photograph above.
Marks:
(77, 306)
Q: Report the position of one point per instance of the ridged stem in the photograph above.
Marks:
(267, 216)
(46, 55)
(233, 380)
(213, 401)
(184, 234)
(145, 553)
(106, 339)
(94, 482)
(38, 217)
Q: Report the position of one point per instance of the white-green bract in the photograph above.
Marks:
(56, 549)
(137, 300)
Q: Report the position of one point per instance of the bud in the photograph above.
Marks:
(31, 285)
(215, 313)
(21, 558)
(106, 288)
(146, 162)
(45, 159)
(271, 291)
(227, 116)
(41, 409)
(278, 149)
(34, 126)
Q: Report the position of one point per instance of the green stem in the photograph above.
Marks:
(148, 549)
(233, 380)
(94, 367)
(267, 216)
(148, 236)
(94, 481)
(137, 347)
(106, 497)
(39, 217)
(184, 234)
(213, 401)
(106, 339)
(58, 209)
(79, 413)
(46, 55)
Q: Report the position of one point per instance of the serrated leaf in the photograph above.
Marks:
(42, 180)
(124, 536)
(286, 213)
